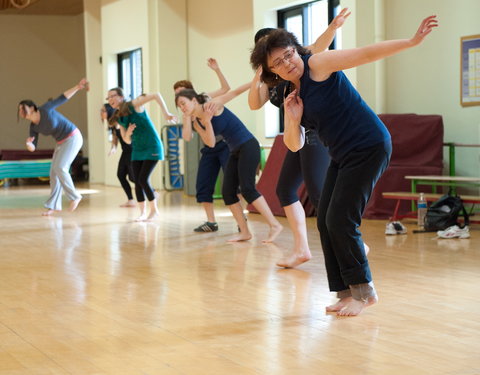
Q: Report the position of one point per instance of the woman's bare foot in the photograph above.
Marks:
(273, 233)
(339, 305)
(295, 259)
(143, 216)
(153, 216)
(355, 307)
(74, 204)
(367, 248)
(129, 203)
(48, 212)
(241, 237)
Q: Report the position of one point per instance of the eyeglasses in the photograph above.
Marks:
(287, 57)
(111, 96)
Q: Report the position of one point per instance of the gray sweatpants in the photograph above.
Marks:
(60, 178)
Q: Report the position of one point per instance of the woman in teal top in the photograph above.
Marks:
(147, 149)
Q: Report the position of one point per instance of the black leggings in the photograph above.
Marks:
(240, 171)
(125, 170)
(142, 169)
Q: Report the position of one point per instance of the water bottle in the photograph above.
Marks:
(421, 209)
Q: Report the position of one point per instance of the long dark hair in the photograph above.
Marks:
(191, 94)
(25, 103)
(277, 38)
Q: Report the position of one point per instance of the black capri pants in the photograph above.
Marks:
(240, 172)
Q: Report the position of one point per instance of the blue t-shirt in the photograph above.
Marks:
(52, 122)
(334, 108)
(234, 132)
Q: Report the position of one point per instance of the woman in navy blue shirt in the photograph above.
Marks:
(359, 144)
(212, 118)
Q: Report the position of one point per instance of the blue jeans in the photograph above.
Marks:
(347, 189)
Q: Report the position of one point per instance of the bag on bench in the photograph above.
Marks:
(444, 213)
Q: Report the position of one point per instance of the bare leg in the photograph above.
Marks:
(301, 251)
(244, 235)
(208, 207)
(129, 203)
(275, 227)
(153, 210)
(143, 211)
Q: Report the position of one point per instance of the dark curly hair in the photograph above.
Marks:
(277, 38)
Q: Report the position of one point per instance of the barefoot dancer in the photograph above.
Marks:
(46, 120)
(308, 164)
(147, 148)
(124, 168)
(212, 159)
(359, 144)
(213, 119)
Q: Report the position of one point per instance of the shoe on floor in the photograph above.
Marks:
(395, 227)
(206, 227)
(454, 232)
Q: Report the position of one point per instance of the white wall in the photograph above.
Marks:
(222, 29)
(42, 56)
(426, 79)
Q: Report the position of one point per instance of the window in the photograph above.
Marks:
(307, 22)
(130, 73)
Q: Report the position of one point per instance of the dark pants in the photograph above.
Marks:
(125, 170)
(348, 187)
(240, 171)
(142, 169)
(210, 163)
(310, 163)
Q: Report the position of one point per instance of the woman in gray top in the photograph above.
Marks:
(47, 121)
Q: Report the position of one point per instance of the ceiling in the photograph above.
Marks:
(43, 7)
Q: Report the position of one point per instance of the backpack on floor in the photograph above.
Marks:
(444, 213)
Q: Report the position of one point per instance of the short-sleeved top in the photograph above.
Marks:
(334, 108)
(234, 132)
(146, 144)
(52, 122)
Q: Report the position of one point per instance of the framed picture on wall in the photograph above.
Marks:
(470, 70)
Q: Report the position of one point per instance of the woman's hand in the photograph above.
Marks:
(83, 84)
(209, 110)
(171, 119)
(130, 129)
(424, 29)
(29, 143)
(112, 151)
(339, 20)
(294, 106)
(212, 63)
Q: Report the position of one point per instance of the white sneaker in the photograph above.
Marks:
(454, 232)
(395, 227)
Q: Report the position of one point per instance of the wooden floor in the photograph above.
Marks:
(94, 293)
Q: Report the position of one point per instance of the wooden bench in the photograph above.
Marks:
(413, 197)
(24, 169)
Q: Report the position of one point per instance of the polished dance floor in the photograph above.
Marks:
(94, 293)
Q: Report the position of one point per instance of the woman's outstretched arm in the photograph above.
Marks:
(325, 63)
(224, 86)
(143, 99)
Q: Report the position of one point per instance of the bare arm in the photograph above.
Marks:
(83, 84)
(325, 63)
(258, 94)
(127, 133)
(294, 134)
(207, 134)
(187, 131)
(232, 94)
(324, 40)
(224, 86)
(139, 102)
